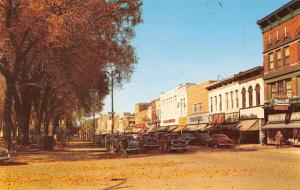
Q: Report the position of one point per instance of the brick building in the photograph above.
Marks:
(281, 58)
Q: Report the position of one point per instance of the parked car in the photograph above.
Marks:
(148, 142)
(202, 139)
(4, 155)
(172, 142)
(218, 140)
(187, 137)
(133, 144)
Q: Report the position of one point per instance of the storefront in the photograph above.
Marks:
(196, 123)
(287, 123)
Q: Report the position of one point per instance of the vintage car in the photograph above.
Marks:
(172, 142)
(187, 137)
(148, 142)
(202, 139)
(220, 140)
(4, 155)
(133, 144)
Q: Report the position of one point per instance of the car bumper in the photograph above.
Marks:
(225, 144)
(178, 148)
(132, 149)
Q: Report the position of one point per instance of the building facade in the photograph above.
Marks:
(198, 109)
(236, 105)
(281, 57)
(141, 117)
(173, 106)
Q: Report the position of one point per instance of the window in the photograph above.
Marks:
(282, 89)
(286, 54)
(231, 99)
(195, 108)
(200, 107)
(257, 92)
(278, 58)
(220, 97)
(227, 104)
(211, 105)
(216, 104)
(271, 61)
(243, 98)
(250, 91)
(273, 90)
(237, 98)
(289, 91)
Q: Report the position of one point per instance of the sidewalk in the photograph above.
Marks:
(271, 148)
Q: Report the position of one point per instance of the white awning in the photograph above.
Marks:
(294, 125)
(248, 125)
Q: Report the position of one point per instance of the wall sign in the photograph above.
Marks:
(200, 118)
(281, 102)
(182, 121)
(250, 116)
(218, 118)
(232, 117)
(276, 117)
(169, 121)
(295, 116)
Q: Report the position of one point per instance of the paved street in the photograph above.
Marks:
(84, 165)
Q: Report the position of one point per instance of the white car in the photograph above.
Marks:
(4, 155)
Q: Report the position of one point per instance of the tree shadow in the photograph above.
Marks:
(13, 163)
(118, 185)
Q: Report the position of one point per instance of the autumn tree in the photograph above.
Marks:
(53, 53)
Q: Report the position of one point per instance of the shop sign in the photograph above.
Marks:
(295, 116)
(281, 102)
(218, 118)
(182, 121)
(195, 119)
(232, 117)
(250, 116)
(276, 117)
(169, 121)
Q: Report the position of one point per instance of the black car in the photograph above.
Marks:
(201, 139)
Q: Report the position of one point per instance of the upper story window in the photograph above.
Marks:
(271, 61)
(220, 97)
(243, 98)
(227, 103)
(237, 98)
(231, 99)
(257, 92)
(286, 54)
(250, 91)
(278, 58)
(281, 89)
(216, 103)
(211, 105)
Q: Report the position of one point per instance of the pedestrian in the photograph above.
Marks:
(13, 145)
(278, 139)
(263, 139)
(124, 147)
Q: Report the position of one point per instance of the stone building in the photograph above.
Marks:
(281, 57)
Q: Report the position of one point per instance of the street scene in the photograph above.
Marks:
(133, 94)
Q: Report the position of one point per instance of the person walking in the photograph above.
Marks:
(278, 139)
(124, 147)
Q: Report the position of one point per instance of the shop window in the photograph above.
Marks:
(271, 61)
(250, 92)
(278, 58)
(243, 98)
(286, 52)
(257, 92)
(220, 97)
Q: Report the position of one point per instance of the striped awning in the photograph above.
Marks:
(192, 128)
(248, 125)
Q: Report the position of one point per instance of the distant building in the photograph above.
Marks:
(173, 107)
(154, 115)
(126, 122)
(281, 57)
(197, 107)
(141, 117)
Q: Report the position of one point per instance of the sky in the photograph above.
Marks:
(184, 41)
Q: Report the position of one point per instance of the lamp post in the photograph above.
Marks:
(113, 75)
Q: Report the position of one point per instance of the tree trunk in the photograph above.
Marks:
(8, 102)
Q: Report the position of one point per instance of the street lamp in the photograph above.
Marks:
(113, 75)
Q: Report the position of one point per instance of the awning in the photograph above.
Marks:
(179, 128)
(224, 127)
(192, 128)
(248, 125)
(282, 126)
(153, 129)
(207, 128)
(167, 128)
(137, 130)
